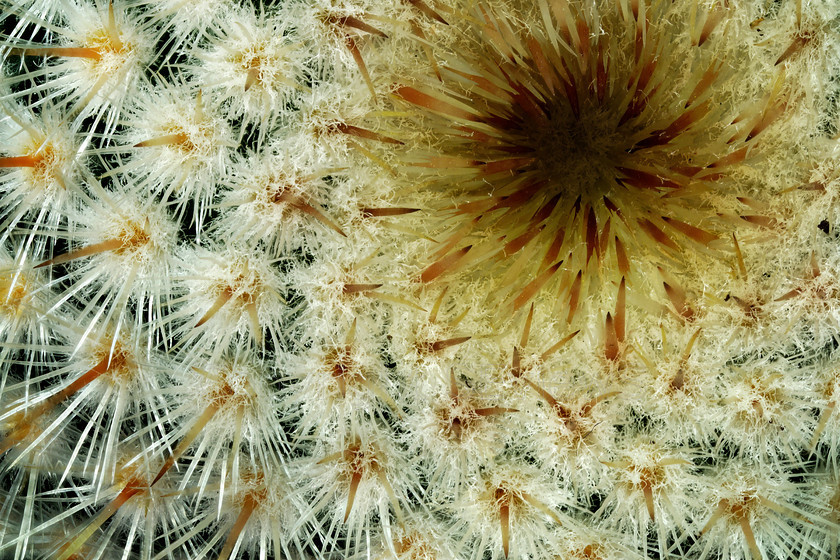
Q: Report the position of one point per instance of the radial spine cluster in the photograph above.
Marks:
(419, 279)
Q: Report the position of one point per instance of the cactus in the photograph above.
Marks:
(419, 279)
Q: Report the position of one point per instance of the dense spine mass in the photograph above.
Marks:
(419, 279)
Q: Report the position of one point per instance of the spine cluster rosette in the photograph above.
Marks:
(590, 146)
